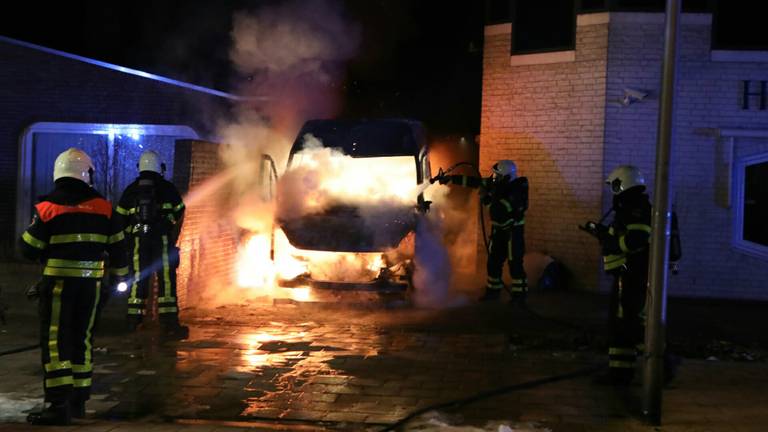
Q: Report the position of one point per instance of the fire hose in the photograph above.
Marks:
(455, 404)
(479, 174)
(18, 350)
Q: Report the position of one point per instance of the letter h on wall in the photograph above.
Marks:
(746, 95)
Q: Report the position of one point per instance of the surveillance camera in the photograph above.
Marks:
(635, 94)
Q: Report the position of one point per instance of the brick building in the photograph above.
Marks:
(51, 100)
(569, 115)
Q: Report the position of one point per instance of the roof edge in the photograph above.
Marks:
(123, 69)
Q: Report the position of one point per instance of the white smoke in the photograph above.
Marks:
(382, 189)
(290, 54)
(290, 60)
(432, 272)
(435, 277)
(292, 57)
(295, 37)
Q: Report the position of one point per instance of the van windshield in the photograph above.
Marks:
(351, 180)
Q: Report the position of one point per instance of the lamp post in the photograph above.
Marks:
(660, 225)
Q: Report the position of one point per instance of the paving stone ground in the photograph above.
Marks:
(362, 367)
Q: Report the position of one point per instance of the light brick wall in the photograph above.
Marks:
(549, 118)
(708, 96)
(208, 241)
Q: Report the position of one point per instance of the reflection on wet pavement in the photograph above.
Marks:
(341, 367)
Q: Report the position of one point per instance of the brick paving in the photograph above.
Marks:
(310, 367)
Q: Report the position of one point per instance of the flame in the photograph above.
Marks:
(320, 177)
(257, 269)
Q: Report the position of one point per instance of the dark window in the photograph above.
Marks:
(756, 203)
(497, 11)
(739, 25)
(656, 5)
(586, 6)
(543, 25)
(500, 11)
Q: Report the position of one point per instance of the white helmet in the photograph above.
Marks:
(150, 161)
(625, 177)
(505, 167)
(73, 163)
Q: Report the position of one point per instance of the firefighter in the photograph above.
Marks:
(154, 211)
(506, 196)
(71, 230)
(625, 250)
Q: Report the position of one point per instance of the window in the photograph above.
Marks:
(543, 26)
(751, 230)
(113, 148)
(739, 26)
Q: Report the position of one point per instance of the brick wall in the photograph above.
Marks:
(208, 241)
(41, 87)
(546, 117)
(708, 97)
(549, 119)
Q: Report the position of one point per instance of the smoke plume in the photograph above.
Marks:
(290, 60)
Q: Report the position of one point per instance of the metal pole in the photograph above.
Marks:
(659, 253)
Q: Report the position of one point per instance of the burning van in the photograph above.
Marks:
(347, 205)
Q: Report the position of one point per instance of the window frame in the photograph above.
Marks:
(26, 157)
(738, 241)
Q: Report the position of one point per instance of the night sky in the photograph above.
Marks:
(419, 59)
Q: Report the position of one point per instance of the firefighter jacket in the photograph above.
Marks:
(71, 230)
(152, 205)
(507, 201)
(628, 236)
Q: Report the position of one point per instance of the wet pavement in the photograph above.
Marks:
(292, 366)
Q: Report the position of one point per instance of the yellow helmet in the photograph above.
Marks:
(150, 161)
(73, 163)
(625, 177)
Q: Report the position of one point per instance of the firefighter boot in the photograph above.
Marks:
(490, 295)
(54, 415)
(518, 298)
(77, 408)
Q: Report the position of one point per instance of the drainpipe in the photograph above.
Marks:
(655, 328)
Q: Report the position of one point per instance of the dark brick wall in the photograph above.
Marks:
(40, 87)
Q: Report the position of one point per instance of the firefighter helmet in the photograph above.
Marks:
(150, 161)
(625, 177)
(73, 163)
(505, 167)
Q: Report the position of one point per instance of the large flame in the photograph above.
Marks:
(320, 177)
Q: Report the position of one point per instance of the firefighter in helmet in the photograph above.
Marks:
(625, 251)
(72, 228)
(506, 196)
(154, 211)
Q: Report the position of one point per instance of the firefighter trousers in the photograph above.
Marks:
(67, 308)
(626, 319)
(153, 254)
(507, 245)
